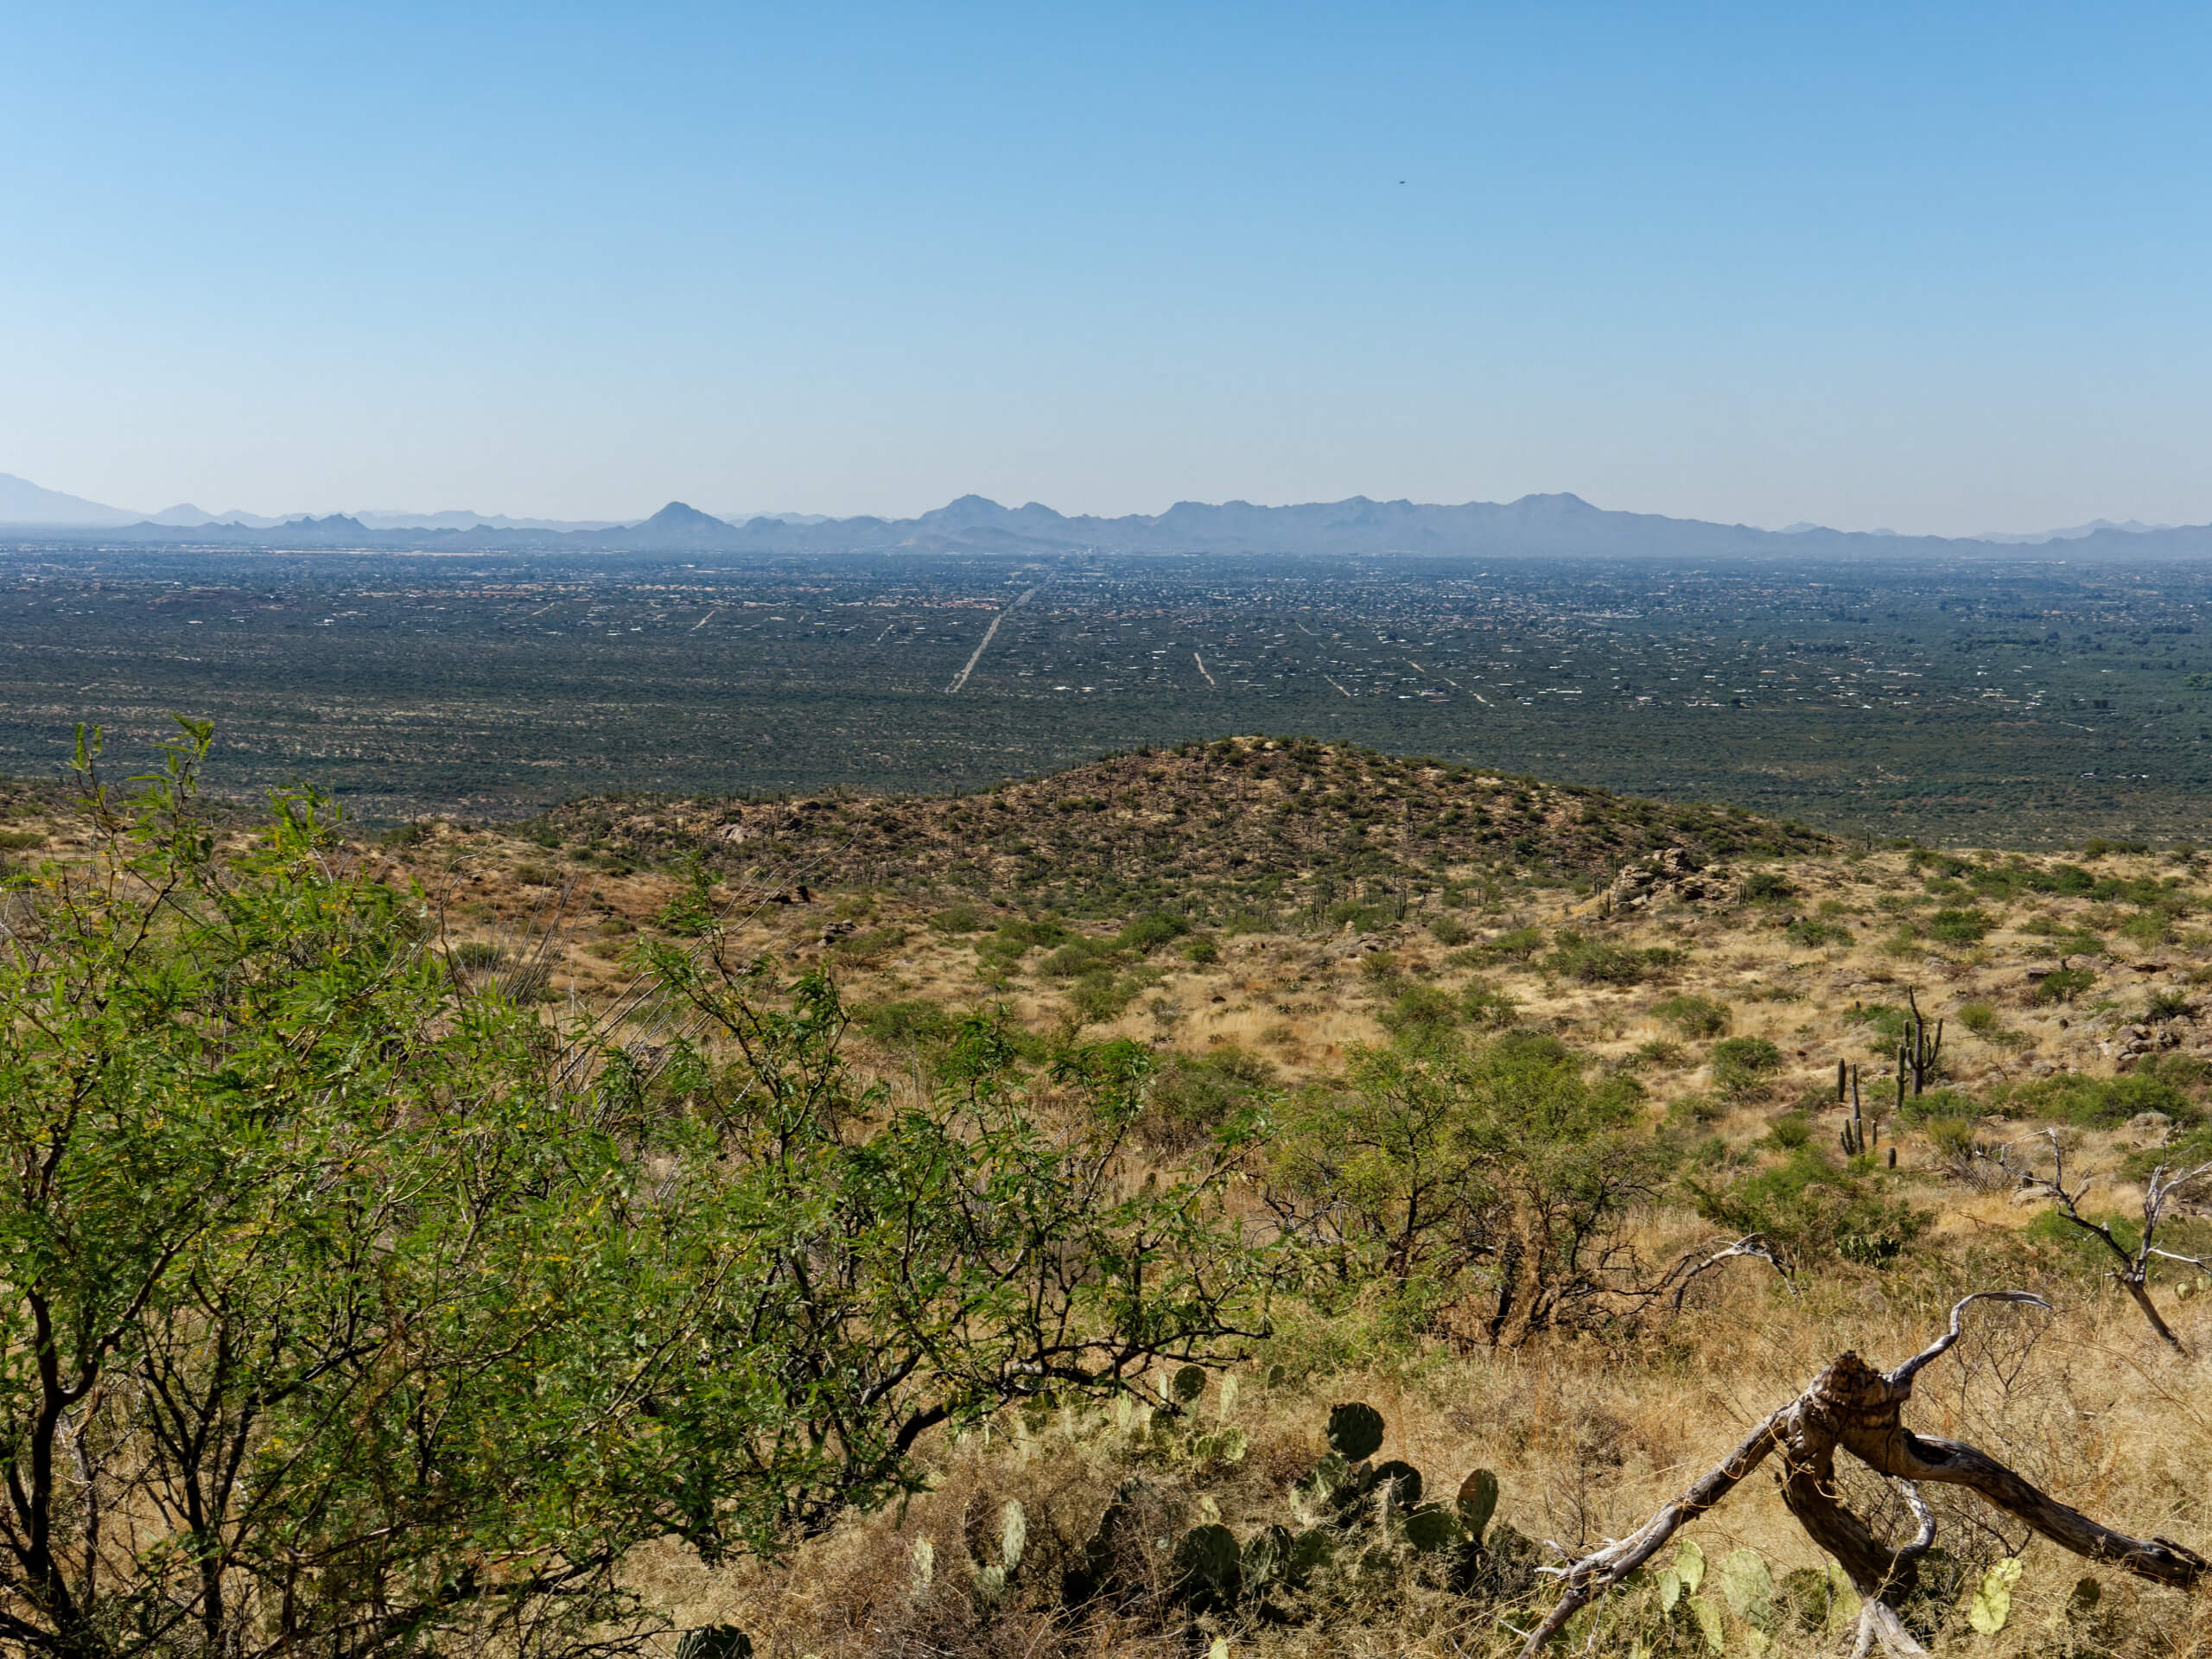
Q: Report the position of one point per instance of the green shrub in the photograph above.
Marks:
(2064, 984)
(865, 949)
(1151, 930)
(1790, 1131)
(1450, 931)
(1015, 939)
(430, 1317)
(1077, 956)
(1815, 934)
(1421, 1010)
(1812, 1209)
(1935, 1103)
(1768, 887)
(1425, 1164)
(2163, 1006)
(1100, 995)
(1192, 1096)
(2096, 1102)
(1742, 1065)
(1203, 950)
(2184, 1152)
(957, 920)
(1977, 1017)
(2147, 931)
(1595, 963)
(1692, 1016)
(909, 1024)
(1952, 1139)
(1519, 944)
(1363, 919)
(478, 955)
(1959, 926)
(1486, 1004)
(1746, 1054)
(1886, 1024)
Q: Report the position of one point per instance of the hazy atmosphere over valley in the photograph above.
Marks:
(1204, 832)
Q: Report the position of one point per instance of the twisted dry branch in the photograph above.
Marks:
(1852, 1407)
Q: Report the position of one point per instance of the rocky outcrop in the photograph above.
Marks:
(1673, 873)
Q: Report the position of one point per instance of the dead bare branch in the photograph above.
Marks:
(1850, 1407)
(1753, 1244)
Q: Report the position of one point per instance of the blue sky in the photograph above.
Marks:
(1937, 267)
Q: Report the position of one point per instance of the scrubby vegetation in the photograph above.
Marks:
(556, 1244)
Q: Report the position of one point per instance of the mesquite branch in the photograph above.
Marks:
(1850, 1407)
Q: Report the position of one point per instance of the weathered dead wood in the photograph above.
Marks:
(1850, 1407)
(1689, 1267)
(2133, 1272)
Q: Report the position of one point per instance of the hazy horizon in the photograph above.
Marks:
(1936, 271)
(379, 517)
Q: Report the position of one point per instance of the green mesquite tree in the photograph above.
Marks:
(344, 1309)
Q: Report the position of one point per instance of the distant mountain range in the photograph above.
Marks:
(1562, 525)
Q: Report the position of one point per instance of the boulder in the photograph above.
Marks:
(2147, 1129)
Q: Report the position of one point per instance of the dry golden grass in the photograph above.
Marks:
(1587, 1440)
(1585, 1443)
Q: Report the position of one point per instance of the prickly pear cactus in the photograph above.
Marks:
(1747, 1585)
(1310, 1551)
(1187, 1384)
(1993, 1598)
(1477, 1502)
(1355, 1432)
(1266, 1558)
(1314, 1499)
(996, 1533)
(1399, 1482)
(1208, 1567)
(1432, 1528)
(714, 1642)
